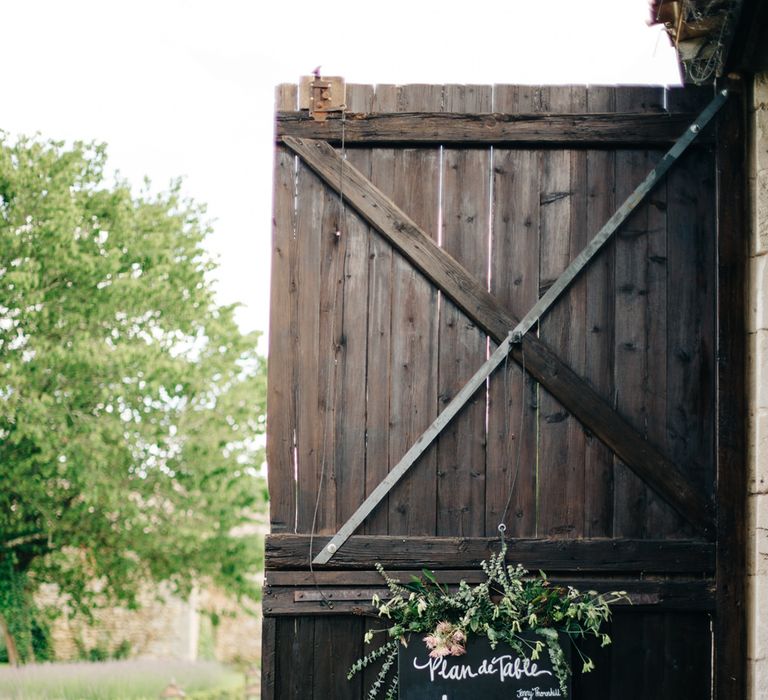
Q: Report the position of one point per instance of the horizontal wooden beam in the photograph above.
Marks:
(684, 595)
(288, 551)
(597, 130)
(471, 295)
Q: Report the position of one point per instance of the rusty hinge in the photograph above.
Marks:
(322, 95)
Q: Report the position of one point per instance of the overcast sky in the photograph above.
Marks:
(185, 87)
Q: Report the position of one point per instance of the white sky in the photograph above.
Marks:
(185, 87)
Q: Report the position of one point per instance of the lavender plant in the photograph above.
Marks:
(502, 608)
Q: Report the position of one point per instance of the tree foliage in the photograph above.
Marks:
(129, 399)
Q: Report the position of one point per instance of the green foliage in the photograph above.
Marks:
(504, 607)
(206, 643)
(130, 400)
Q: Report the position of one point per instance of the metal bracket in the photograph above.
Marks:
(322, 95)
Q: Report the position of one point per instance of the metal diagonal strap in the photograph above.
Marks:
(517, 333)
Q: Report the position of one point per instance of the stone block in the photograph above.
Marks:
(759, 165)
(760, 195)
(757, 317)
(759, 454)
(758, 451)
(757, 537)
(757, 618)
(757, 373)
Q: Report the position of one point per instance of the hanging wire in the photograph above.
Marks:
(502, 528)
(330, 376)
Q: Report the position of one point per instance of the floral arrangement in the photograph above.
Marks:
(502, 608)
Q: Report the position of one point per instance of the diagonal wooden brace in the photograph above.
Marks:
(572, 391)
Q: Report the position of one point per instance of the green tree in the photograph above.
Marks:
(130, 402)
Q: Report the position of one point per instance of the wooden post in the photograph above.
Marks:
(730, 625)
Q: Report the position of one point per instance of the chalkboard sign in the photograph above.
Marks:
(491, 674)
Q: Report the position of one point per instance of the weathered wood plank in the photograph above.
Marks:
(631, 342)
(730, 446)
(649, 657)
(281, 406)
(268, 657)
(361, 551)
(295, 639)
(337, 645)
(573, 392)
(689, 594)
(598, 325)
(688, 644)
(353, 579)
(462, 346)
(350, 341)
(491, 129)
(512, 416)
(378, 377)
(660, 519)
(691, 319)
(331, 248)
(310, 399)
(563, 235)
(414, 323)
(639, 330)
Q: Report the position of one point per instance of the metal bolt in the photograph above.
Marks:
(695, 128)
(331, 548)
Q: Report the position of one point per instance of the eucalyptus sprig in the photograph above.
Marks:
(502, 608)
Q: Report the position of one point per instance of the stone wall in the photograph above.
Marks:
(757, 350)
(164, 627)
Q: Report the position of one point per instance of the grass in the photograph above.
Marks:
(118, 680)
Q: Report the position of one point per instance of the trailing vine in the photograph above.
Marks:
(14, 607)
(502, 608)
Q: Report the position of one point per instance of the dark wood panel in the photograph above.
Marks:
(282, 337)
(350, 303)
(461, 476)
(268, 657)
(295, 639)
(637, 307)
(544, 365)
(337, 645)
(730, 626)
(690, 319)
(493, 129)
(290, 552)
(657, 655)
(631, 338)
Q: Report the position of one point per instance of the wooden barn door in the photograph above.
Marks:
(409, 237)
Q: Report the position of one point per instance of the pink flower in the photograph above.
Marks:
(458, 650)
(443, 628)
(431, 641)
(439, 651)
